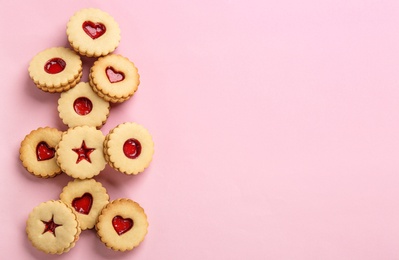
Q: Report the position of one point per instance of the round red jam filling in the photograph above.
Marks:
(44, 151)
(82, 106)
(94, 30)
(54, 66)
(122, 225)
(83, 204)
(113, 75)
(132, 148)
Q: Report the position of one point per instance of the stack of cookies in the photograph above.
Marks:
(83, 151)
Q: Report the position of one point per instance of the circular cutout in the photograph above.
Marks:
(54, 66)
(82, 106)
(132, 148)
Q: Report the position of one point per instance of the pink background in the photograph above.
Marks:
(275, 126)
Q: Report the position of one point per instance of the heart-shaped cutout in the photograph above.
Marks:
(122, 225)
(94, 30)
(44, 151)
(83, 204)
(54, 65)
(113, 75)
(132, 148)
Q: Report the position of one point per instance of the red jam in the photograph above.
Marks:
(132, 148)
(94, 30)
(113, 75)
(44, 151)
(50, 226)
(122, 225)
(54, 66)
(82, 106)
(83, 152)
(83, 204)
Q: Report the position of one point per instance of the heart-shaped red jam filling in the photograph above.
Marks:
(54, 66)
(82, 106)
(83, 152)
(50, 226)
(122, 225)
(94, 30)
(113, 75)
(83, 204)
(132, 148)
(44, 151)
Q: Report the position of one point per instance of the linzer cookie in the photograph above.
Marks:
(52, 227)
(114, 78)
(37, 152)
(80, 152)
(87, 197)
(93, 32)
(56, 69)
(122, 225)
(82, 106)
(62, 88)
(83, 151)
(129, 148)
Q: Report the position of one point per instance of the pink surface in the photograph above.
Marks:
(275, 126)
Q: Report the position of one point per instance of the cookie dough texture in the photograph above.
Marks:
(127, 209)
(28, 152)
(76, 189)
(57, 82)
(82, 43)
(115, 92)
(64, 236)
(113, 148)
(98, 114)
(75, 138)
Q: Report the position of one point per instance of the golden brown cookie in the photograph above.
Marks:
(80, 152)
(52, 227)
(61, 88)
(55, 68)
(122, 225)
(82, 106)
(87, 197)
(129, 148)
(37, 152)
(93, 32)
(114, 78)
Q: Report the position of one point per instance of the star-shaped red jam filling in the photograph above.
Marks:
(83, 152)
(50, 226)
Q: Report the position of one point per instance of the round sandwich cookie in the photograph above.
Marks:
(52, 227)
(82, 106)
(93, 32)
(37, 152)
(129, 148)
(80, 152)
(122, 225)
(61, 88)
(114, 78)
(55, 69)
(87, 197)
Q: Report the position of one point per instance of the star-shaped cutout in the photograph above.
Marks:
(83, 152)
(50, 226)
